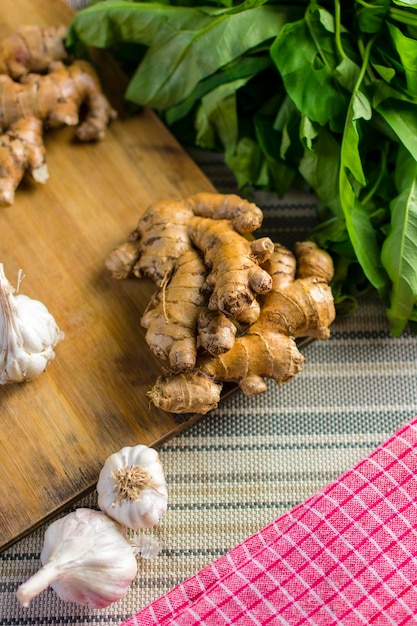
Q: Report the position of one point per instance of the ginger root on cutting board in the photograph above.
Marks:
(229, 307)
(42, 87)
(32, 49)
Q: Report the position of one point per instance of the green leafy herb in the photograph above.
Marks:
(399, 248)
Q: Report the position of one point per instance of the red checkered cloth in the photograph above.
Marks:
(347, 555)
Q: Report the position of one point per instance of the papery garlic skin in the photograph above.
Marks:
(28, 335)
(141, 498)
(86, 559)
(146, 546)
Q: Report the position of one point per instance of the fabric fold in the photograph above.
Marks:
(347, 555)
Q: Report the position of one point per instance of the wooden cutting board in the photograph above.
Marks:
(56, 431)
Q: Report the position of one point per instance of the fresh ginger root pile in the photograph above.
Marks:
(295, 307)
(156, 249)
(229, 307)
(39, 81)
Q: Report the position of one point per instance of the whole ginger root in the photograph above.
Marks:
(56, 98)
(38, 80)
(297, 306)
(235, 319)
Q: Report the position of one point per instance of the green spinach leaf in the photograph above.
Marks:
(306, 57)
(399, 251)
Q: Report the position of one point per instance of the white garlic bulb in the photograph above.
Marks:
(131, 487)
(28, 335)
(86, 559)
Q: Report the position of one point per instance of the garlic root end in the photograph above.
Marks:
(36, 584)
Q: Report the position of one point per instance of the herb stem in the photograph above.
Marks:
(405, 17)
(362, 50)
(365, 52)
(311, 8)
(400, 15)
(337, 32)
(379, 178)
(367, 5)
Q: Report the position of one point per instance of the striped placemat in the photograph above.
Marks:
(251, 460)
(344, 556)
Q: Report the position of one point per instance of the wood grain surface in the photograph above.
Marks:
(56, 431)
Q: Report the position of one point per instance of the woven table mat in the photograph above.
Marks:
(345, 556)
(251, 460)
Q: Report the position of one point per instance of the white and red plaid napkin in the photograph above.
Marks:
(347, 555)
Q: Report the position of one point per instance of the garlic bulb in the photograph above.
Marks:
(86, 559)
(131, 487)
(28, 335)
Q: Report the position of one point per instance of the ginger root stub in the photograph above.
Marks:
(237, 317)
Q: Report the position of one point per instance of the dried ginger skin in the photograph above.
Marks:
(36, 83)
(172, 324)
(251, 359)
(32, 49)
(21, 149)
(235, 277)
(78, 84)
(245, 216)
